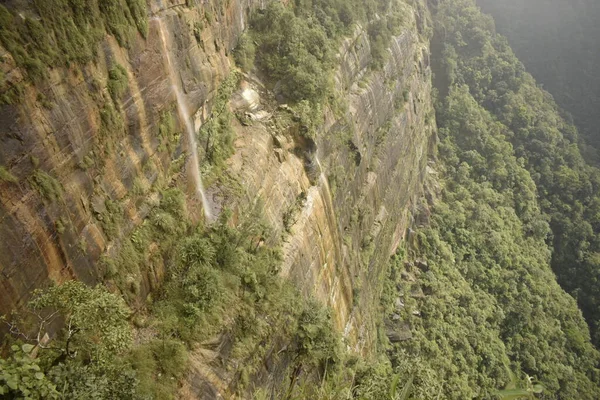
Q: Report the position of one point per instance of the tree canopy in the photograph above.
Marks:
(517, 207)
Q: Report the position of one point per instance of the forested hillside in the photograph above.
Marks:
(546, 146)
(479, 293)
(557, 40)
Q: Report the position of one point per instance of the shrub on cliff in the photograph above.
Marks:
(117, 82)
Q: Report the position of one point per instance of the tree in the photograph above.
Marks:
(74, 334)
(95, 322)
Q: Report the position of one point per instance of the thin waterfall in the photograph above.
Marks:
(191, 134)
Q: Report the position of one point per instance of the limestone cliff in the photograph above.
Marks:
(342, 203)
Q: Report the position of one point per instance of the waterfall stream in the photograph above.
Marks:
(191, 134)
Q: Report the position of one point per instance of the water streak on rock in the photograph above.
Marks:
(191, 133)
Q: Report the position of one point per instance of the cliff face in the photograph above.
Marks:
(367, 166)
(341, 203)
(73, 156)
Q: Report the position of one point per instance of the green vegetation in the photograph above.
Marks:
(295, 46)
(10, 93)
(67, 31)
(478, 294)
(47, 186)
(295, 51)
(216, 133)
(6, 176)
(139, 15)
(546, 145)
(111, 128)
(245, 53)
(117, 82)
(474, 311)
(119, 18)
(169, 137)
(198, 27)
(82, 360)
(380, 33)
(290, 216)
(111, 218)
(558, 43)
(220, 280)
(21, 376)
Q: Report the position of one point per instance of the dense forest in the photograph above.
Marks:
(546, 145)
(557, 41)
(516, 198)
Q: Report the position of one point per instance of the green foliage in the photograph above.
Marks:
(200, 289)
(165, 225)
(372, 381)
(309, 117)
(204, 277)
(167, 131)
(173, 202)
(245, 52)
(81, 360)
(317, 341)
(139, 15)
(67, 31)
(290, 216)
(198, 27)
(76, 380)
(140, 186)
(379, 36)
(22, 377)
(117, 82)
(528, 392)
(10, 93)
(46, 185)
(120, 18)
(295, 51)
(111, 127)
(111, 219)
(294, 47)
(486, 300)
(6, 176)
(541, 139)
(159, 365)
(558, 46)
(217, 132)
(97, 319)
(60, 226)
(221, 279)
